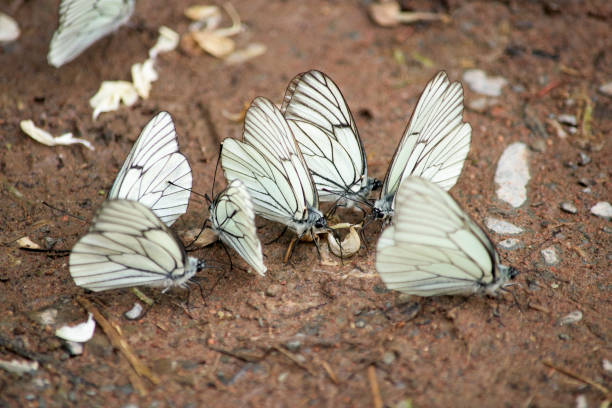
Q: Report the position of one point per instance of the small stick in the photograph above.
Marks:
(119, 342)
(576, 376)
(247, 358)
(144, 298)
(330, 372)
(289, 250)
(540, 308)
(135, 379)
(294, 359)
(376, 398)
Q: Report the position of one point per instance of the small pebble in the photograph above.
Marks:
(479, 82)
(19, 366)
(606, 89)
(74, 348)
(607, 365)
(512, 174)
(569, 207)
(583, 181)
(538, 145)
(130, 406)
(360, 324)
(602, 209)
(581, 401)
(30, 397)
(584, 159)
(564, 336)
(509, 244)
(293, 345)
(273, 290)
(134, 313)
(282, 377)
(388, 358)
(550, 256)
(566, 119)
(50, 242)
(47, 316)
(573, 317)
(502, 227)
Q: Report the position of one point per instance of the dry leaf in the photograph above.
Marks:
(251, 51)
(201, 13)
(350, 244)
(207, 237)
(213, 44)
(168, 40)
(389, 14)
(111, 94)
(142, 76)
(26, 242)
(44, 137)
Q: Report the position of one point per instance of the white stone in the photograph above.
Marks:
(9, 29)
(502, 227)
(135, 312)
(573, 317)
(602, 209)
(19, 366)
(80, 333)
(512, 174)
(550, 256)
(509, 244)
(606, 89)
(479, 82)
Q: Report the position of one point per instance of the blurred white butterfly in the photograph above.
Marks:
(128, 245)
(83, 22)
(233, 219)
(434, 248)
(435, 143)
(153, 162)
(270, 164)
(324, 128)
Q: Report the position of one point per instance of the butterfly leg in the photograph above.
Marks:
(279, 237)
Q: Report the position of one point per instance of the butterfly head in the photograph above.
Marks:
(374, 184)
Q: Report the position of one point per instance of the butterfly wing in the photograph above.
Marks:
(270, 165)
(154, 161)
(327, 135)
(436, 142)
(83, 22)
(127, 245)
(233, 219)
(433, 247)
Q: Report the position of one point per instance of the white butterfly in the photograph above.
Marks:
(434, 248)
(154, 161)
(233, 219)
(83, 22)
(270, 164)
(435, 143)
(328, 138)
(127, 245)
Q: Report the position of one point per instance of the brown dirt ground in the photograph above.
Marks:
(453, 352)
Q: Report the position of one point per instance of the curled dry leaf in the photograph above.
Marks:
(9, 30)
(26, 242)
(350, 244)
(202, 13)
(81, 333)
(44, 137)
(143, 75)
(207, 237)
(250, 51)
(111, 94)
(167, 41)
(215, 45)
(389, 14)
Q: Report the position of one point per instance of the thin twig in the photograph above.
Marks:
(119, 342)
(295, 360)
(330, 372)
(246, 357)
(376, 398)
(576, 376)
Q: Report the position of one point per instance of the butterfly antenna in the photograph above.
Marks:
(63, 211)
(212, 191)
(279, 237)
(205, 196)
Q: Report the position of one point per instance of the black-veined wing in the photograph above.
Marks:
(435, 143)
(233, 219)
(83, 22)
(328, 138)
(434, 248)
(270, 165)
(128, 245)
(153, 162)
